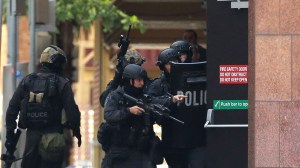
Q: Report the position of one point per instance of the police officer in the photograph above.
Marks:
(130, 141)
(160, 87)
(184, 50)
(131, 57)
(36, 93)
(178, 154)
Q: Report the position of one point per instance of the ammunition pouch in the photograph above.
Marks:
(132, 138)
(104, 135)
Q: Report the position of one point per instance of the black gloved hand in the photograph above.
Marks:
(123, 44)
(117, 78)
(119, 69)
(10, 147)
(77, 134)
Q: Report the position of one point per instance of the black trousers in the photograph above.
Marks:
(118, 157)
(185, 158)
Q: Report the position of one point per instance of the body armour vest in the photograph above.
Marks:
(39, 106)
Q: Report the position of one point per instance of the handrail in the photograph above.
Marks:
(210, 122)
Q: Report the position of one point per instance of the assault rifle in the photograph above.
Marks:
(156, 109)
(123, 45)
(9, 157)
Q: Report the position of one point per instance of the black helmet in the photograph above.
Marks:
(53, 54)
(182, 47)
(133, 71)
(165, 56)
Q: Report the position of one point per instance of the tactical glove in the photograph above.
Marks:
(117, 79)
(9, 143)
(77, 134)
(119, 69)
(10, 147)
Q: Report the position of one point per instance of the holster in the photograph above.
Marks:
(104, 135)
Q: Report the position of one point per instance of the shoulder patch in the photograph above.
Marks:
(108, 99)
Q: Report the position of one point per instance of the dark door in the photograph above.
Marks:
(227, 88)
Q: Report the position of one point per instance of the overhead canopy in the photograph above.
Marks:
(165, 20)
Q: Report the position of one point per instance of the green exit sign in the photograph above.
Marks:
(230, 104)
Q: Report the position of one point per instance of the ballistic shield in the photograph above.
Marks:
(189, 79)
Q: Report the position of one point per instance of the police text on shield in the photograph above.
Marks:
(194, 98)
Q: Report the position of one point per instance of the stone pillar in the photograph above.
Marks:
(274, 83)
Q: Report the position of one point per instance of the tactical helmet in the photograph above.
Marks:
(133, 71)
(182, 47)
(53, 54)
(134, 57)
(167, 55)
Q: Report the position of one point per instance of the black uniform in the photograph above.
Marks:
(64, 100)
(130, 144)
(184, 145)
(160, 89)
(111, 86)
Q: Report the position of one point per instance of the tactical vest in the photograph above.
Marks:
(39, 107)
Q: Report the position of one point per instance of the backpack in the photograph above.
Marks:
(39, 106)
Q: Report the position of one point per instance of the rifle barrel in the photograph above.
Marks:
(175, 119)
(128, 32)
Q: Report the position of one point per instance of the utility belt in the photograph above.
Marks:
(49, 129)
(130, 138)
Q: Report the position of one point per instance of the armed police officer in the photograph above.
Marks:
(131, 136)
(178, 151)
(160, 87)
(184, 50)
(131, 57)
(39, 101)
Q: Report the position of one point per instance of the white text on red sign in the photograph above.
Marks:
(233, 74)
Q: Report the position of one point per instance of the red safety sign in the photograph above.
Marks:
(233, 74)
